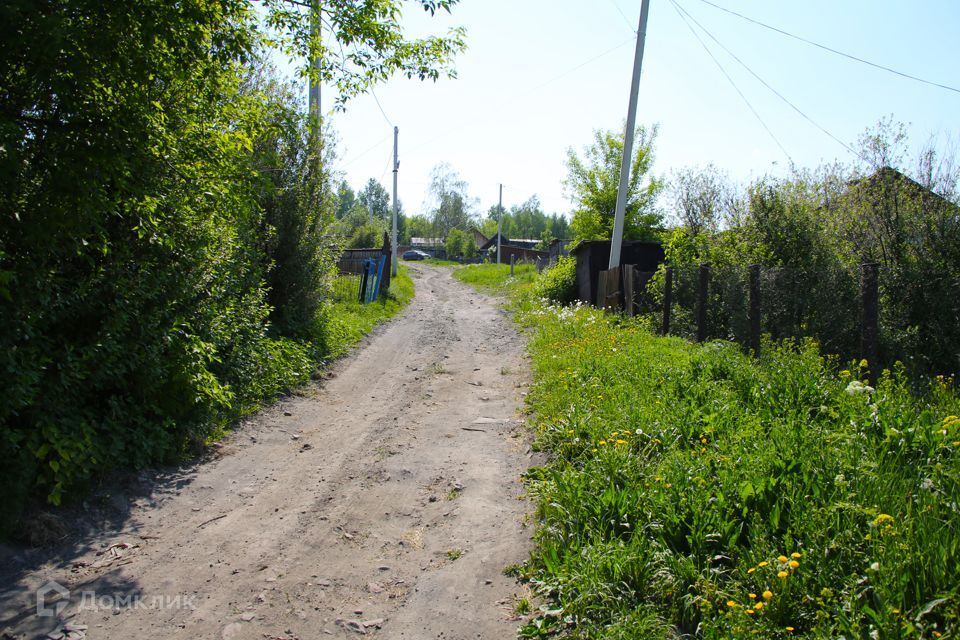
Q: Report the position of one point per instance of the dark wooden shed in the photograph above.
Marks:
(594, 256)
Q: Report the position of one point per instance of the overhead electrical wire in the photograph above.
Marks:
(831, 49)
(765, 83)
(730, 80)
(377, 100)
(363, 153)
(623, 15)
(496, 109)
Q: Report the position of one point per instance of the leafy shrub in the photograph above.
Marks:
(558, 284)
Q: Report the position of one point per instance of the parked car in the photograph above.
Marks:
(413, 254)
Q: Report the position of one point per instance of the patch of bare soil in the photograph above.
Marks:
(384, 501)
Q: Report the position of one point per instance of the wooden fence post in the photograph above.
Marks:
(629, 283)
(702, 291)
(755, 309)
(513, 258)
(610, 292)
(870, 317)
(667, 299)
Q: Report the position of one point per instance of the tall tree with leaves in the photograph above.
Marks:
(375, 200)
(592, 183)
(135, 240)
(360, 44)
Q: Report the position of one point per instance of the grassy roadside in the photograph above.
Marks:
(436, 262)
(350, 321)
(495, 278)
(695, 491)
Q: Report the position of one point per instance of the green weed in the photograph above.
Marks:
(696, 491)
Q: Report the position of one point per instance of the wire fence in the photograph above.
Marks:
(885, 320)
(346, 288)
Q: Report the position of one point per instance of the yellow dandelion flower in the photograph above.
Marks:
(794, 564)
(621, 442)
(752, 596)
(751, 569)
(763, 564)
(749, 611)
(880, 519)
(602, 442)
(796, 555)
(767, 594)
(782, 574)
(731, 603)
(782, 559)
(789, 628)
(758, 606)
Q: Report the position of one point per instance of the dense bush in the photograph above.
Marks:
(558, 283)
(811, 232)
(139, 237)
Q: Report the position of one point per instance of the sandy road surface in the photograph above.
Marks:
(381, 502)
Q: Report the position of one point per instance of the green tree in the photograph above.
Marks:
(592, 184)
(376, 200)
(345, 199)
(452, 207)
(363, 43)
(159, 200)
(367, 236)
(470, 249)
(455, 244)
(419, 226)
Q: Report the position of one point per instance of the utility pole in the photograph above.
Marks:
(616, 242)
(499, 219)
(314, 90)
(393, 236)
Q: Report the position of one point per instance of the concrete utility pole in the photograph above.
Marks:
(616, 242)
(393, 235)
(499, 219)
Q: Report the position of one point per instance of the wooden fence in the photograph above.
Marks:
(352, 261)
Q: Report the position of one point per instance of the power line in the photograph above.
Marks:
(730, 80)
(831, 49)
(357, 157)
(375, 99)
(622, 15)
(495, 109)
(765, 83)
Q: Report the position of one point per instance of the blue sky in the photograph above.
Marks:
(540, 75)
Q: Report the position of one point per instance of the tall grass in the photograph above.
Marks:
(346, 321)
(696, 492)
(495, 278)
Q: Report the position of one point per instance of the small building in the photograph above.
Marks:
(478, 237)
(520, 249)
(594, 256)
(557, 249)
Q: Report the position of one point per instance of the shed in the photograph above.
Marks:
(594, 256)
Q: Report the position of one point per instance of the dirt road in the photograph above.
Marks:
(383, 501)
